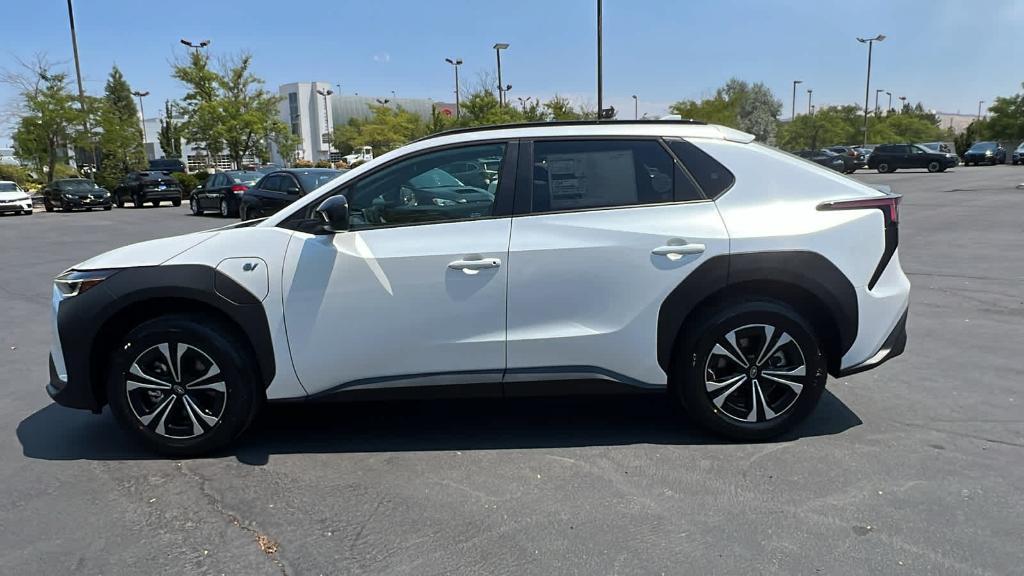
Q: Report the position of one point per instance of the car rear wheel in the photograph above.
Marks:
(47, 206)
(193, 204)
(749, 370)
(107, 207)
(934, 167)
(883, 168)
(225, 210)
(154, 203)
(176, 203)
(137, 201)
(183, 385)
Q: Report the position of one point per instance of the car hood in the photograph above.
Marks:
(89, 192)
(149, 253)
(15, 196)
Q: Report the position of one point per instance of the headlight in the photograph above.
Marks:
(443, 202)
(68, 196)
(988, 152)
(75, 282)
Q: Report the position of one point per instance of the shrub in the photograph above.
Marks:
(188, 182)
(201, 176)
(15, 174)
(322, 164)
(302, 164)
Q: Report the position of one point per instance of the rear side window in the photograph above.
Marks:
(584, 174)
(713, 178)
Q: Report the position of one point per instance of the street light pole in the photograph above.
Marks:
(889, 94)
(195, 46)
(142, 111)
(636, 108)
(600, 63)
(78, 74)
(877, 92)
(501, 87)
(327, 120)
(809, 93)
(980, 102)
(867, 85)
(455, 64)
(792, 110)
(903, 103)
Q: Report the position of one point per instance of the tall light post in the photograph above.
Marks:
(636, 108)
(810, 92)
(142, 111)
(455, 64)
(195, 45)
(877, 92)
(792, 109)
(327, 119)
(903, 103)
(78, 74)
(867, 85)
(980, 102)
(523, 102)
(889, 94)
(600, 63)
(498, 47)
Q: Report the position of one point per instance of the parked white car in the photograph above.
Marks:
(14, 199)
(671, 257)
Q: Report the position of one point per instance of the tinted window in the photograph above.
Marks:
(418, 190)
(712, 177)
(313, 180)
(890, 149)
(8, 187)
(581, 174)
(271, 183)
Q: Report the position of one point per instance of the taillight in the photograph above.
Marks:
(238, 188)
(888, 204)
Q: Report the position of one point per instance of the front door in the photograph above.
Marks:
(614, 227)
(414, 293)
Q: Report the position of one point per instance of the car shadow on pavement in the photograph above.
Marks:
(57, 433)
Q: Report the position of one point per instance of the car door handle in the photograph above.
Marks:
(474, 264)
(682, 249)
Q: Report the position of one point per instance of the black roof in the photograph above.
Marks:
(554, 123)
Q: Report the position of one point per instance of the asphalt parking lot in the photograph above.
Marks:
(914, 468)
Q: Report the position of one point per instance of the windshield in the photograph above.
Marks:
(82, 184)
(9, 187)
(924, 148)
(244, 177)
(435, 178)
(983, 146)
(828, 153)
(314, 180)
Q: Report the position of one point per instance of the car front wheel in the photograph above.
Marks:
(883, 168)
(750, 370)
(193, 204)
(934, 167)
(183, 385)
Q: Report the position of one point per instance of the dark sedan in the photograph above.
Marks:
(222, 192)
(985, 153)
(827, 159)
(71, 193)
(279, 189)
(859, 158)
(888, 158)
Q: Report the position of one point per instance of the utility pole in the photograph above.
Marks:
(877, 92)
(636, 108)
(980, 102)
(600, 80)
(498, 47)
(81, 89)
(142, 111)
(889, 94)
(455, 64)
(867, 85)
(810, 110)
(792, 109)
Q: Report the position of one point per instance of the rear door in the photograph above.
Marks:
(209, 197)
(605, 230)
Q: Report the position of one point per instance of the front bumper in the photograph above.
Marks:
(18, 206)
(81, 202)
(893, 346)
(79, 397)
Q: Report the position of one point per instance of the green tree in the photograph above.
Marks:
(248, 112)
(50, 116)
(203, 124)
(1006, 118)
(738, 104)
(120, 135)
(170, 133)
(285, 142)
(388, 128)
(560, 108)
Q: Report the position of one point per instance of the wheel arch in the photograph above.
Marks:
(804, 280)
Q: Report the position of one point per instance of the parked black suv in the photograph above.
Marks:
(991, 153)
(150, 186)
(70, 193)
(279, 189)
(891, 157)
(167, 165)
(853, 152)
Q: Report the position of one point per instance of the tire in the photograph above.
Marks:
(718, 392)
(107, 208)
(243, 213)
(88, 209)
(64, 208)
(120, 201)
(166, 413)
(47, 206)
(225, 210)
(137, 201)
(176, 203)
(934, 167)
(154, 203)
(27, 212)
(883, 167)
(193, 205)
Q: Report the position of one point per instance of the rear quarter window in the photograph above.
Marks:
(712, 177)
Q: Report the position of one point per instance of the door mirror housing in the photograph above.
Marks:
(334, 213)
(293, 190)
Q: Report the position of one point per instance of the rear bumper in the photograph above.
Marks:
(893, 346)
(169, 194)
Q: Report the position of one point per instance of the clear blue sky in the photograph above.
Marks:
(947, 54)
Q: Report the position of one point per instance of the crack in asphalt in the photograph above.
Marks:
(267, 545)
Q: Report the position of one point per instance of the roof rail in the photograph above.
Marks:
(553, 123)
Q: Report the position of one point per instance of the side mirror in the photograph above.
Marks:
(292, 190)
(334, 213)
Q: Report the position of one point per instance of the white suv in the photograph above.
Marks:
(661, 256)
